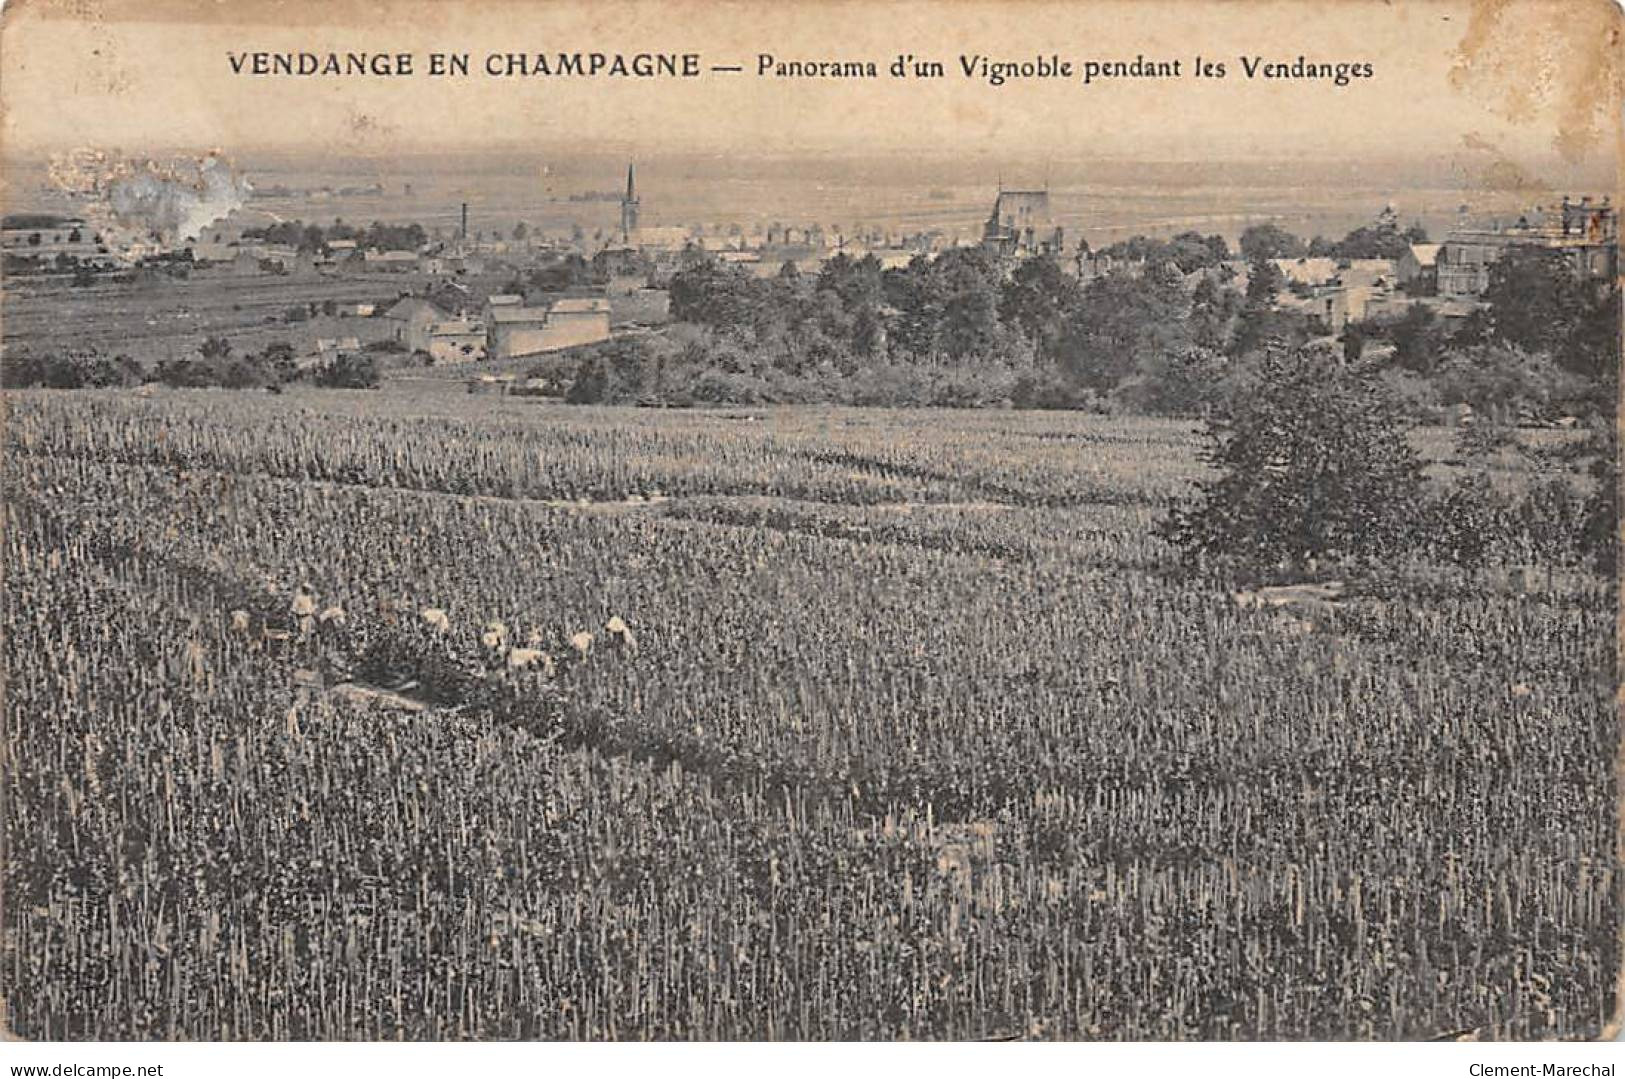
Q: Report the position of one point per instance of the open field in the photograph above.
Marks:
(910, 734)
(161, 319)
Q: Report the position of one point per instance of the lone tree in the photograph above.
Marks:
(1313, 467)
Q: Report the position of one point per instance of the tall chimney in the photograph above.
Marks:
(465, 221)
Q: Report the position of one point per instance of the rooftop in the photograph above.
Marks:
(581, 304)
(514, 313)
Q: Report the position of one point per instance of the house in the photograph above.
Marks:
(1306, 271)
(458, 262)
(515, 330)
(283, 255)
(581, 320)
(1584, 233)
(412, 318)
(1417, 269)
(1327, 303)
(327, 350)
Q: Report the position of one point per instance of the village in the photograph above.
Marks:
(467, 304)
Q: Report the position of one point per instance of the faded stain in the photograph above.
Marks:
(136, 202)
(1528, 62)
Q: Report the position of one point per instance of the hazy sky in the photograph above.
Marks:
(1503, 85)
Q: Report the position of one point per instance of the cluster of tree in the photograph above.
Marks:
(1381, 240)
(953, 309)
(215, 364)
(69, 371)
(573, 271)
(33, 221)
(1157, 341)
(63, 263)
(706, 369)
(1189, 251)
(1167, 337)
(301, 312)
(313, 237)
(1543, 345)
(1314, 469)
(349, 371)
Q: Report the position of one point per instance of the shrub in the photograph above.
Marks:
(1551, 520)
(1187, 382)
(1313, 465)
(716, 387)
(20, 369)
(895, 385)
(73, 371)
(972, 387)
(185, 373)
(1049, 388)
(1469, 523)
(1506, 383)
(350, 371)
(1599, 528)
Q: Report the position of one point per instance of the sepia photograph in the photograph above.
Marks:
(918, 521)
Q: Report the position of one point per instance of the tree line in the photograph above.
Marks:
(1173, 335)
(315, 238)
(216, 364)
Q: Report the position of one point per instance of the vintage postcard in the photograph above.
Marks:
(814, 522)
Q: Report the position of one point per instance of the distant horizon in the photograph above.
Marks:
(1099, 196)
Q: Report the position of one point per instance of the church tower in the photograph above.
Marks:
(629, 209)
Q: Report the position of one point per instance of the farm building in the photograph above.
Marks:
(205, 253)
(1418, 268)
(412, 318)
(514, 330)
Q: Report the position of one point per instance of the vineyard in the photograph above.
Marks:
(365, 716)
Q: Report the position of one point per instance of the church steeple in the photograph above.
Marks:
(629, 208)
